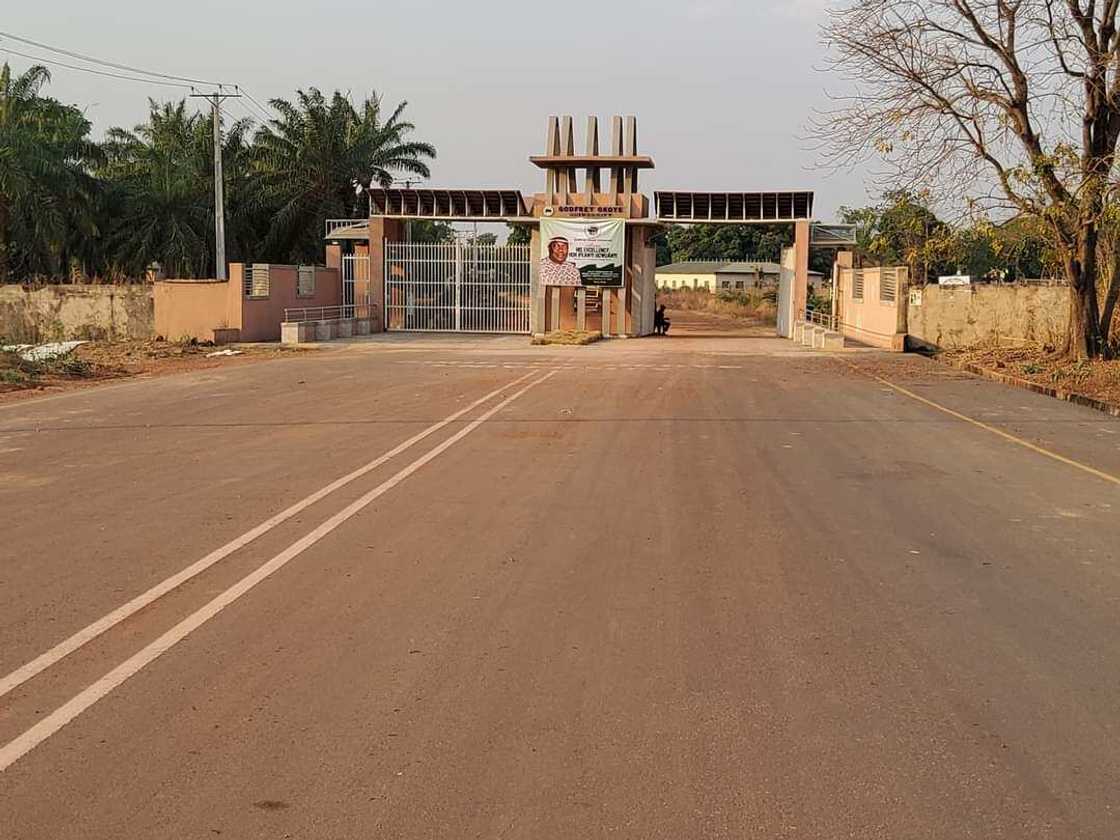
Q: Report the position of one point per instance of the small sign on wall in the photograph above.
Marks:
(916, 297)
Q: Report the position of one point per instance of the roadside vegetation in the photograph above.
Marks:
(74, 209)
(1004, 112)
(17, 373)
(1096, 378)
(101, 360)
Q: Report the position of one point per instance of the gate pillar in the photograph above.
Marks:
(537, 316)
(380, 230)
(801, 268)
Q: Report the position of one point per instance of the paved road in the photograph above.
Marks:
(711, 585)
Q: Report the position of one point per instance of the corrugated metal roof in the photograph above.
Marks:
(712, 267)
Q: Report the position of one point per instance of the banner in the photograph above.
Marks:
(579, 252)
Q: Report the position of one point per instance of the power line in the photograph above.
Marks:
(248, 111)
(184, 82)
(56, 62)
(104, 63)
(265, 112)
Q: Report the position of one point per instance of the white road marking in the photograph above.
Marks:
(587, 366)
(107, 622)
(15, 749)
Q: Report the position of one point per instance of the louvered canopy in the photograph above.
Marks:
(461, 205)
(733, 207)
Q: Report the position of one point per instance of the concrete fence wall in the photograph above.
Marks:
(962, 316)
(51, 313)
(195, 308)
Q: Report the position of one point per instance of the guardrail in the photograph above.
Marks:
(328, 313)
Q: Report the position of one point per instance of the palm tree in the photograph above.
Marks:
(307, 161)
(161, 186)
(46, 190)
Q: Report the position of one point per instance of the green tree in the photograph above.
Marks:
(423, 230)
(519, 234)
(307, 162)
(160, 187)
(47, 194)
(726, 242)
(733, 243)
(901, 230)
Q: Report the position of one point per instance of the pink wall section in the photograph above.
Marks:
(261, 317)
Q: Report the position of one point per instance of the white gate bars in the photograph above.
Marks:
(354, 267)
(457, 287)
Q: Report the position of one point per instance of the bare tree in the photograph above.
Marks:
(1013, 105)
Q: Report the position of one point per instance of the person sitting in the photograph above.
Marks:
(661, 324)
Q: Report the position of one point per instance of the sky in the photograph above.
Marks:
(723, 89)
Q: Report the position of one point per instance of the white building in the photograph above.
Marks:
(724, 276)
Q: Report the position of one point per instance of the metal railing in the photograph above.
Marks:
(821, 319)
(328, 313)
(336, 224)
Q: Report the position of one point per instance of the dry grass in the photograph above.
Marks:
(1097, 379)
(754, 305)
(569, 337)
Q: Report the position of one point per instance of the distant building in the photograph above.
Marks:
(717, 277)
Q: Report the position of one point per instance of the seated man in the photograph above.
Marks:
(660, 323)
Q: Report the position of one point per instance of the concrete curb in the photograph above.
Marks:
(1027, 385)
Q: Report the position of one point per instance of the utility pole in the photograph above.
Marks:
(216, 100)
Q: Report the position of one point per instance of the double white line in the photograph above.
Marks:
(48, 726)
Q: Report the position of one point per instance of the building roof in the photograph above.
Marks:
(720, 267)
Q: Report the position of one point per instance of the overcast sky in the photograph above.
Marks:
(723, 89)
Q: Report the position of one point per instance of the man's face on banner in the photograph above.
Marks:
(558, 251)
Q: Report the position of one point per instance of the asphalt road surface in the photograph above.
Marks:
(712, 585)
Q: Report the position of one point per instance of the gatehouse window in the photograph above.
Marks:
(257, 281)
(888, 285)
(857, 284)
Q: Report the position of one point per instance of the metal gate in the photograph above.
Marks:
(354, 267)
(457, 287)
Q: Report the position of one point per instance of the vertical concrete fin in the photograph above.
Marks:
(616, 151)
(592, 182)
(632, 150)
(552, 147)
(568, 141)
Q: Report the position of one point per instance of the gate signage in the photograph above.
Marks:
(588, 211)
(582, 253)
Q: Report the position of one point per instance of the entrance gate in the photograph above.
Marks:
(457, 287)
(354, 267)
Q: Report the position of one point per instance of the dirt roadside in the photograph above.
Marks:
(100, 362)
(1095, 380)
